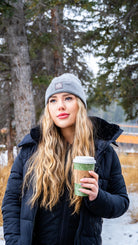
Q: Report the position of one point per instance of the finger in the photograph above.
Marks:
(89, 180)
(94, 175)
(89, 186)
(86, 191)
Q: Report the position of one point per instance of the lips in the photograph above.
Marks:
(63, 115)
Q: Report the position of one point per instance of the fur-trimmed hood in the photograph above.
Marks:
(104, 130)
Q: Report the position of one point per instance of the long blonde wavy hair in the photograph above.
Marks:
(47, 171)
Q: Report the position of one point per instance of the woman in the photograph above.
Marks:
(39, 206)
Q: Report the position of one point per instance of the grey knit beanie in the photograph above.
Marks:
(66, 83)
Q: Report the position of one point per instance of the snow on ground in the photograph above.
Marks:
(120, 231)
(1, 236)
(4, 155)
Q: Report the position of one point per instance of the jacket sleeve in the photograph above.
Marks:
(11, 203)
(113, 201)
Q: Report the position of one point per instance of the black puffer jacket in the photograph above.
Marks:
(112, 200)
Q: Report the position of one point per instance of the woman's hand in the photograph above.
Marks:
(91, 184)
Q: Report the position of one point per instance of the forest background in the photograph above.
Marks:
(41, 39)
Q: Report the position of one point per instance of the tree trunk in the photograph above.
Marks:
(56, 20)
(24, 110)
(10, 143)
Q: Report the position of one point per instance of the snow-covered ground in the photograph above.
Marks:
(120, 231)
(4, 155)
(1, 236)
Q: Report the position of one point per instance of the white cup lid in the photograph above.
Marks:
(84, 159)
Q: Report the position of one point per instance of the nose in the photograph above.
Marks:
(61, 104)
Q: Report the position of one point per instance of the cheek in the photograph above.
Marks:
(75, 112)
(75, 109)
(51, 112)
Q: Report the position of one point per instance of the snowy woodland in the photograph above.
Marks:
(95, 40)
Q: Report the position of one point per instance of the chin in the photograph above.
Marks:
(64, 125)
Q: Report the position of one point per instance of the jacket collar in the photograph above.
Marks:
(103, 132)
(32, 138)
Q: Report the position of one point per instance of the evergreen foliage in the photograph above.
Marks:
(114, 40)
(61, 33)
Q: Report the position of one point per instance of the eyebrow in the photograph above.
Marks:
(66, 94)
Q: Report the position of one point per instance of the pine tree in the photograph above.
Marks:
(114, 41)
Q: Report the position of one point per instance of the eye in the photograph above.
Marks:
(52, 101)
(68, 98)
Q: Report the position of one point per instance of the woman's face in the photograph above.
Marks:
(63, 108)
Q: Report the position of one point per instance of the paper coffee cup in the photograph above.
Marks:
(82, 164)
